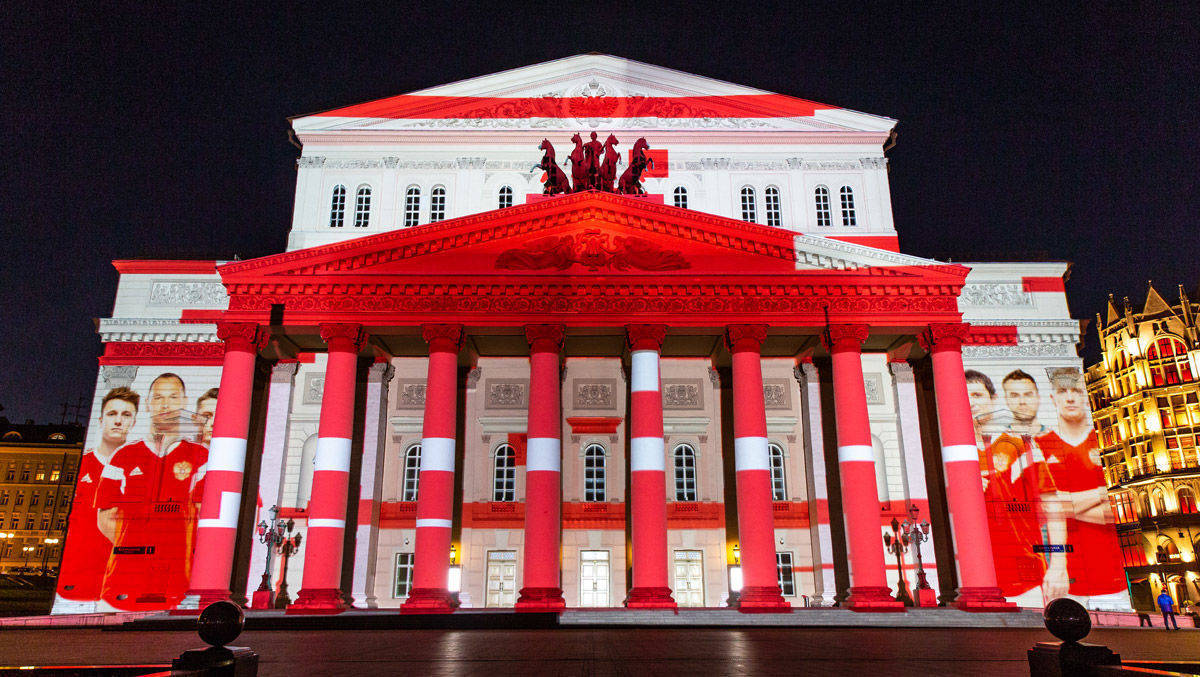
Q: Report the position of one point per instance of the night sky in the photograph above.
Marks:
(162, 133)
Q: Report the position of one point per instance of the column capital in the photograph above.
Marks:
(284, 372)
(845, 337)
(645, 336)
(344, 337)
(247, 336)
(545, 338)
(380, 372)
(945, 336)
(743, 337)
(442, 338)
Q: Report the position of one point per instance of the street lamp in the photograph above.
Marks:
(918, 533)
(46, 543)
(897, 544)
(27, 549)
(274, 534)
(5, 546)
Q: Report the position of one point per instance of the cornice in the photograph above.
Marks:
(137, 329)
(662, 137)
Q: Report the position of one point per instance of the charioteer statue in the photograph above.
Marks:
(594, 167)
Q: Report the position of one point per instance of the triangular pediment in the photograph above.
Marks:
(588, 90)
(588, 235)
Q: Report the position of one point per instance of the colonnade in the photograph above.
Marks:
(542, 591)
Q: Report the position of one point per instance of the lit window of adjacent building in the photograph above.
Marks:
(848, 217)
(337, 207)
(1168, 361)
(749, 205)
(504, 474)
(778, 484)
(1187, 500)
(404, 571)
(412, 206)
(594, 473)
(773, 208)
(824, 212)
(505, 197)
(412, 472)
(685, 472)
(787, 577)
(679, 197)
(362, 207)
(437, 204)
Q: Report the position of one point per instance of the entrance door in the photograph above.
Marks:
(501, 578)
(689, 578)
(593, 578)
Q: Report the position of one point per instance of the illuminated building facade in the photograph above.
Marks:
(37, 481)
(1145, 394)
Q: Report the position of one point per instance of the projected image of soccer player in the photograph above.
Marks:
(1023, 400)
(206, 411)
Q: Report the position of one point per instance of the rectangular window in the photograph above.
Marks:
(20, 498)
(787, 578)
(45, 523)
(3, 498)
(29, 522)
(33, 500)
(404, 570)
(54, 475)
(24, 475)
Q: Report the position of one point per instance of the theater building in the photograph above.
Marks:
(461, 390)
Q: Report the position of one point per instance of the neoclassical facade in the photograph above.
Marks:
(463, 392)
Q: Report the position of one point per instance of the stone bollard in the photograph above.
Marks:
(219, 624)
(1067, 620)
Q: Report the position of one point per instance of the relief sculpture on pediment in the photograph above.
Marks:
(594, 250)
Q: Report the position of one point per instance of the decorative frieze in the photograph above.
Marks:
(981, 294)
(1021, 350)
(118, 375)
(777, 394)
(594, 394)
(188, 294)
(873, 384)
(503, 393)
(314, 386)
(683, 394)
(410, 394)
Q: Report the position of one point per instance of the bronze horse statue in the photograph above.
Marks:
(579, 168)
(631, 179)
(556, 178)
(608, 170)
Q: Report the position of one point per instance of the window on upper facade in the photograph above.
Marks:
(337, 207)
(749, 205)
(773, 207)
(362, 207)
(505, 197)
(1168, 361)
(685, 472)
(679, 195)
(594, 473)
(20, 498)
(29, 522)
(824, 212)
(786, 573)
(4, 498)
(412, 206)
(848, 217)
(778, 484)
(437, 204)
(412, 473)
(504, 474)
(34, 499)
(1187, 500)
(403, 575)
(24, 475)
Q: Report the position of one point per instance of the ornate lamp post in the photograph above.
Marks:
(286, 547)
(277, 536)
(918, 533)
(897, 544)
(27, 550)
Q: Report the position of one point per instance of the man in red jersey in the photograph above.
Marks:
(87, 549)
(147, 502)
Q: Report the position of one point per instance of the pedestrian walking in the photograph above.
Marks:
(1167, 606)
(1144, 620)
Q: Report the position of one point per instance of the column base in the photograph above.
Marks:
(196, 600)
(762, 599)
(983, 600)
(872, 598)
(541, 600)
(428, 601)
(650, 598)
(317, 601)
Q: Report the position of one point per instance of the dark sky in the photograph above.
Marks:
(162, 132)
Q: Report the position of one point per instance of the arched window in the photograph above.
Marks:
(412, 206)
(362, 207)
(848, 218)
(679, 195)
(778, 484)
(504, 197)
(1187, 500)
(685, 472)
(1167, 551)
(749, 205)
(1168, 361)
(824, 213)
(437, 204)
(504, 474)
(308, 457)
(337, 207)
(412, 473)
(593, 473)
(772, 204)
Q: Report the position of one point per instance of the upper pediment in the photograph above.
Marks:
(588, 91)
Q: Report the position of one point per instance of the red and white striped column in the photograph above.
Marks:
(856, 463)
(320, 589)
(435, 488)
(964, 487)
(542, 589)
(756, 522)
(216, 526)
(647, 466)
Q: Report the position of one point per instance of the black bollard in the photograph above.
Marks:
(219, 624)
(1067, 620)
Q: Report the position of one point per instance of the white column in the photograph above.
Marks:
(818, 487)
(909, 429)
(270, 473)
(370, 486)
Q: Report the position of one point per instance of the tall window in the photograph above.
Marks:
(685, 473)
(1168, 361)
(337, 207)
(778, 487)
(1187, 500)
(437, 204)
(412, 206)
(749, 205)
(787, 578)
(404, 571)
(504, 197)
(504, 474)
(824, 213)
(362, 207)
(774, 211)
(412, 472)
(848, 218)
(679, 195)
(593, 473)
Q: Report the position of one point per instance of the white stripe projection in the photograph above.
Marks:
(227, 453)
(227, 518)
(643, 370)
(429, 522)
(542, 453)
(959, 452)
(437, 453)
(646, 453)
(856, 452)
(750, 453)
(333, 453)
(326, 522)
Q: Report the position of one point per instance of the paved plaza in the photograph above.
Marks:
(639, 652)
